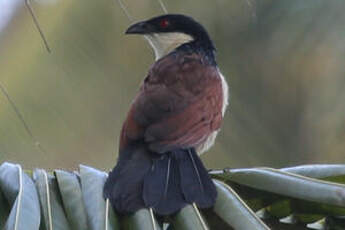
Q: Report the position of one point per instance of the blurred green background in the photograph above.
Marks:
(284, 62)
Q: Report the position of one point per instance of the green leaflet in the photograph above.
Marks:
(234, 211)
(290, 185)
(20, 193)
(189, 218)
(72, 199)
(97, 209)
(4, 210)
(50, 199)
(142, 219)
(318, 171)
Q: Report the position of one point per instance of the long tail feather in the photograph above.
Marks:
(170, 198)
(196, 185)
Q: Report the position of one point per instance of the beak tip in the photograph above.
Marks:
(138, 28)
(128, 31)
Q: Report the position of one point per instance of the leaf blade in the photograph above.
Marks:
(142, 219)
(51, 203)
(21, 193)
(291, 185)
(189, 218)
(233, 210)
(92, 182)
(72, 199)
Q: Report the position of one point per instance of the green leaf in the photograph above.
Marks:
(189, 218)
(291, 185)
(21, 194)
(256, 199)
(142, 219)
(233, 210)
(308, 218)
(50, 199)
(214, 221)
(98, 211)
(306, 207)
(4, 210)
(280, 209)
(318, 171)
(72, 199)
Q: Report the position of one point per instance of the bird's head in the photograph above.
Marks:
(167, 32)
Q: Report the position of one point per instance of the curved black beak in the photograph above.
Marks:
(139, 28)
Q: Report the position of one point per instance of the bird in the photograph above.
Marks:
(173, 119)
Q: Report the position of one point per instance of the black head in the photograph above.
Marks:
(173, 23)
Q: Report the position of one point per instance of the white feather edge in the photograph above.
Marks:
(206, 145)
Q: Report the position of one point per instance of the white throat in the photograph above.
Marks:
(164, 43)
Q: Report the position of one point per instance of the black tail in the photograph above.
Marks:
(164, 182)
(124, 185)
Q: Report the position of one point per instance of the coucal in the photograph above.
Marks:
(174, 117)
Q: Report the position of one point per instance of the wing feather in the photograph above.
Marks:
(178, 106)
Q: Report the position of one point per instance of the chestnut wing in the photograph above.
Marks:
(178, 106)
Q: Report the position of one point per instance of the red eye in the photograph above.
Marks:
(164, 23)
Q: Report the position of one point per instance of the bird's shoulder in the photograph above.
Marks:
(184, 70)
(177, 81)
